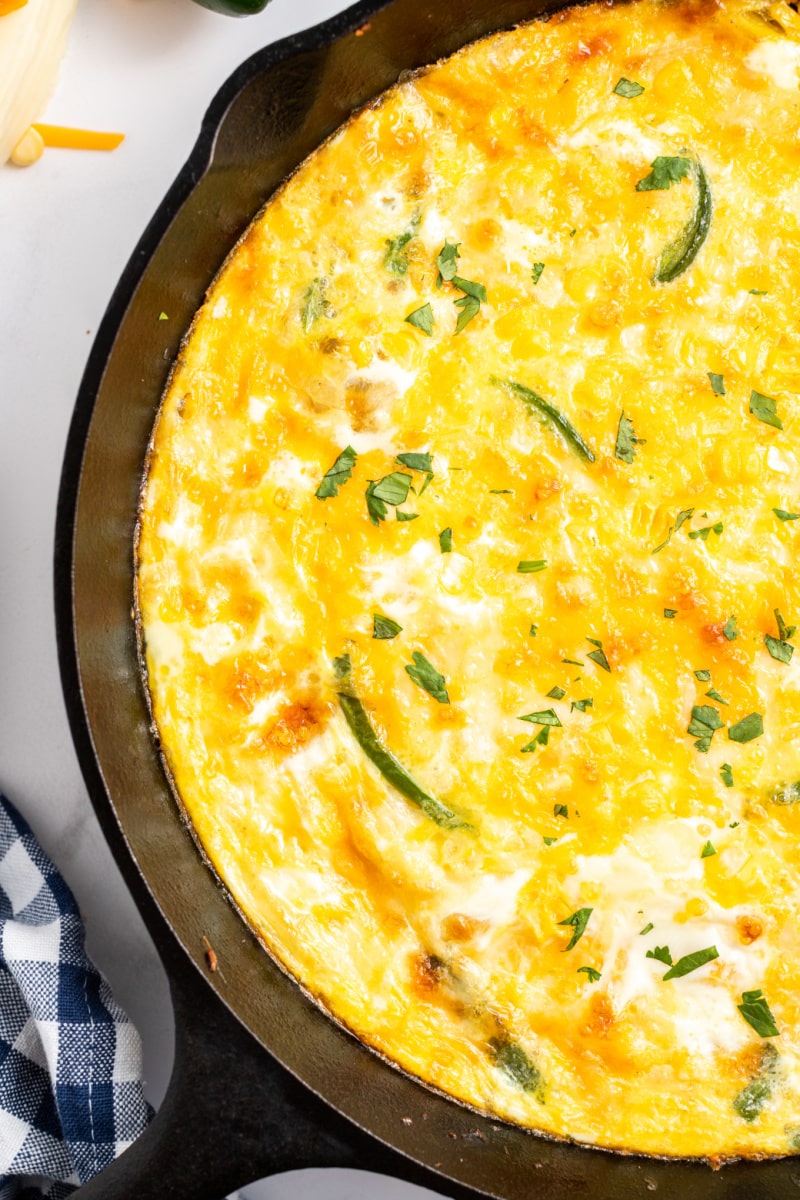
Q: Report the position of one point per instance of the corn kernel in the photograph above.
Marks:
(29, 148)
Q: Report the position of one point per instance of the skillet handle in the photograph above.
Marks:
(231, 1114)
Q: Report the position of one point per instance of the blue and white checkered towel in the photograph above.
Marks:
(70, 1060)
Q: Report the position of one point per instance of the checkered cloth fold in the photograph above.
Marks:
(70, 1060)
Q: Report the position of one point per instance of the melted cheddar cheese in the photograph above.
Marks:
(469, 637)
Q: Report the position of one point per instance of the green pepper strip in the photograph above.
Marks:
(392, 770)
(751, 1101)
(546, 409)
(680, 254)
(512, 1060)
(785, 793)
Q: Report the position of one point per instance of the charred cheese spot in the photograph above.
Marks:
(426, 974)
(338, 679)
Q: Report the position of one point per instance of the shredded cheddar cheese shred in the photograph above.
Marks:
(66, 138)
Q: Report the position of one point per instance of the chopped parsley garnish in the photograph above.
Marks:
(726, 771)
(500, 492)
(376, 508)
(536, 272)
(392, 489)
(572, 662)
(405, 516)
(647, 928)
(470, 307)
(669, 613)
(628, 88)
(384, 628)
(546, 717)
(598, 656)
(396, 257)
(530, 566)
(758, 292)
(578, 921)
(560, 810)
(703, 725)
(705, 531)
(713, 694)
(627, 441)
(703, 675)
(425, 676)
(717, 383)
(556, 693)
(541, 739)
(680, 253)
(422, 319)
(549, 841)
(549, 412)
(682, 517)
(415, 461)
(447, 260)
(446, 540)
(582, 705)
(784, 631)
(765, 408)
(315, 304)
(729, 630)
(593, 974)
(533, 630)
(690, 962)
(474, 293)
(470, 303)
(782, 651)
(756, 1012)
(783, 515)
(337, 475)
(748, 729)
(661, 953)
(665, 171)
(707, 850)
(780, 647)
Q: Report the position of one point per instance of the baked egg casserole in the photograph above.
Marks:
(466, 576)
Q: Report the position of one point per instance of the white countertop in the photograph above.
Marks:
(147, 68)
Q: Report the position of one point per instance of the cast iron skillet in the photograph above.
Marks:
(232, 1113)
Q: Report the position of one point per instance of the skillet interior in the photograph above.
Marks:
(273, 111)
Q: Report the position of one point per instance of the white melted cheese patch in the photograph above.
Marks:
(185, 528)
(289, 470)
(257, 409)
(490, 898)
(165, 645)
(777, 60)
(649, 879)
(783, 462)
(619, 138)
